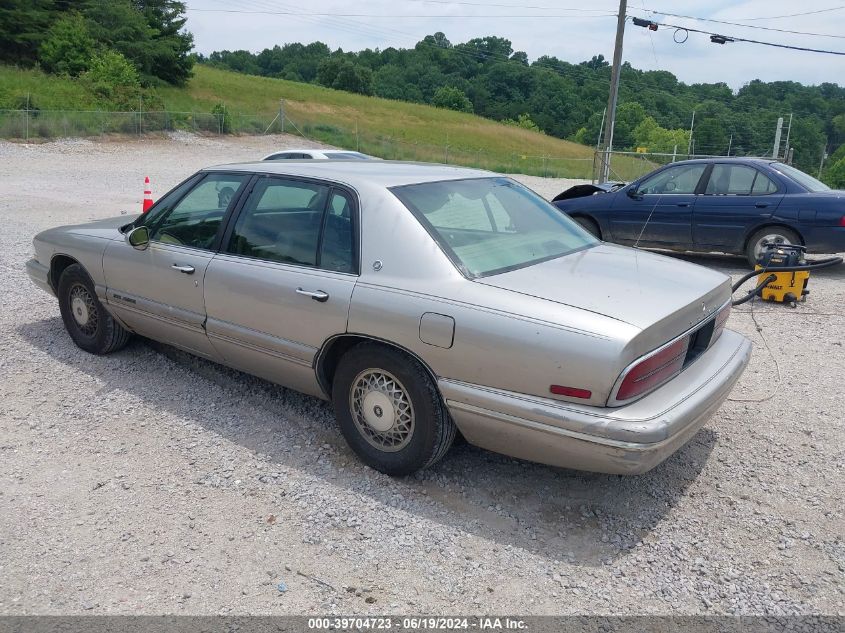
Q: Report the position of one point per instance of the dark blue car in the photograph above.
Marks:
(734, 205)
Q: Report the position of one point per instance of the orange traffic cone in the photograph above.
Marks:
(148, 195)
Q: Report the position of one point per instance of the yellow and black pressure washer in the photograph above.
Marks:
(782, 274)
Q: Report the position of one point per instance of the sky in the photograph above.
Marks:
(571, 31)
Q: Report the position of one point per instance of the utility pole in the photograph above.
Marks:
(778, 130)
(691, 125)
(788, 130)
(601, 130)
(730, 142)
(614, 90)
(824, 155)
(282, 115)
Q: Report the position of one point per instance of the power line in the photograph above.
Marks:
(745, 26)
(732, 38)
(793, 15)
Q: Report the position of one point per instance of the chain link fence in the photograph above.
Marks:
(628, 166)
(28, 125)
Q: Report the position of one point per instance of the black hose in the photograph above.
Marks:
(757, 290)
(816, 265)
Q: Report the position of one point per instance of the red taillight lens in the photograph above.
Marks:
(654, 370)
(842, 221)
(571, 392)
(719, 323)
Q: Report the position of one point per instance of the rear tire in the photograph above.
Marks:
(768, 235)
(589, 225)
(390, 411)
(90, 326)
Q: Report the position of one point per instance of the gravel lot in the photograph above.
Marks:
(152, 482)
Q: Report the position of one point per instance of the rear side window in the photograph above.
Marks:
(731, 180)
(763, 185)
(738, 180)
(281, 222)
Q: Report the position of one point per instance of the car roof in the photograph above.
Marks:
(727, 159)
(384, 173)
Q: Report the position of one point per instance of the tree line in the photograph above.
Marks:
(118, 46)
(567, 100)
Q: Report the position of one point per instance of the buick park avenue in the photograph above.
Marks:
(422, 301)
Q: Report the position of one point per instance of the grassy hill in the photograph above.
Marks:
(390, 129)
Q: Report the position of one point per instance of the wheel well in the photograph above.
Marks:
(57, 267)
(586, 216)
(334, 349)
(769, 226)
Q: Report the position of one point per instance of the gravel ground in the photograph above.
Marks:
(152, 482)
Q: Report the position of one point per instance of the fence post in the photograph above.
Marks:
(544, 166)
(27, 117)
(282, 115)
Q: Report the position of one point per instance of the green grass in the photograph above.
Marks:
(390, 129)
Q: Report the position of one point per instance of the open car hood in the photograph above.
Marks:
(582, 191)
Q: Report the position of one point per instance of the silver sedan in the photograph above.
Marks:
(422, 300)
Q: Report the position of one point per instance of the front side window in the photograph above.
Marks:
(674, 180)
(281, 222)
(492, 225)
(195, 220)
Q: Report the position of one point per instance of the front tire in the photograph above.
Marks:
(90, 326)
(390, 411)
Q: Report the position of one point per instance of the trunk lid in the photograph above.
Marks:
(662, 295)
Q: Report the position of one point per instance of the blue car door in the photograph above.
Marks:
(657, 211)
(736, 198)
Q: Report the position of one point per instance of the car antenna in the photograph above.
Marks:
(647, 220)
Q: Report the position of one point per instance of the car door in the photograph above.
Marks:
(657, 211)
(736, 199)
(158, 291)
(282, 282)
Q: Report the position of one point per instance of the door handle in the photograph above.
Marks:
(761, 205)
(317, 295)
(188, 270)
(683, 204)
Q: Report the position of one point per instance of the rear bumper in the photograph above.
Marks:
(39, 274)
(626, 440)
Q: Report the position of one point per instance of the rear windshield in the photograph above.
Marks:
(805, 180)
(492, 225)
(347, 155)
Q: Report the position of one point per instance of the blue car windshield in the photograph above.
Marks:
(808, 182)
(491, 225)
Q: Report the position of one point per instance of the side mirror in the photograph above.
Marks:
(633, 193)
(138, 238)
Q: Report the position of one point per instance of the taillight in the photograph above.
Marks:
(719, 323)
(842, 221)
(654, 370)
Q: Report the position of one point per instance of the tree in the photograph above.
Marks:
(24, 26)
(835, 174)
(68, 47)
(452, 98)
(341, 74)
(170, 44)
